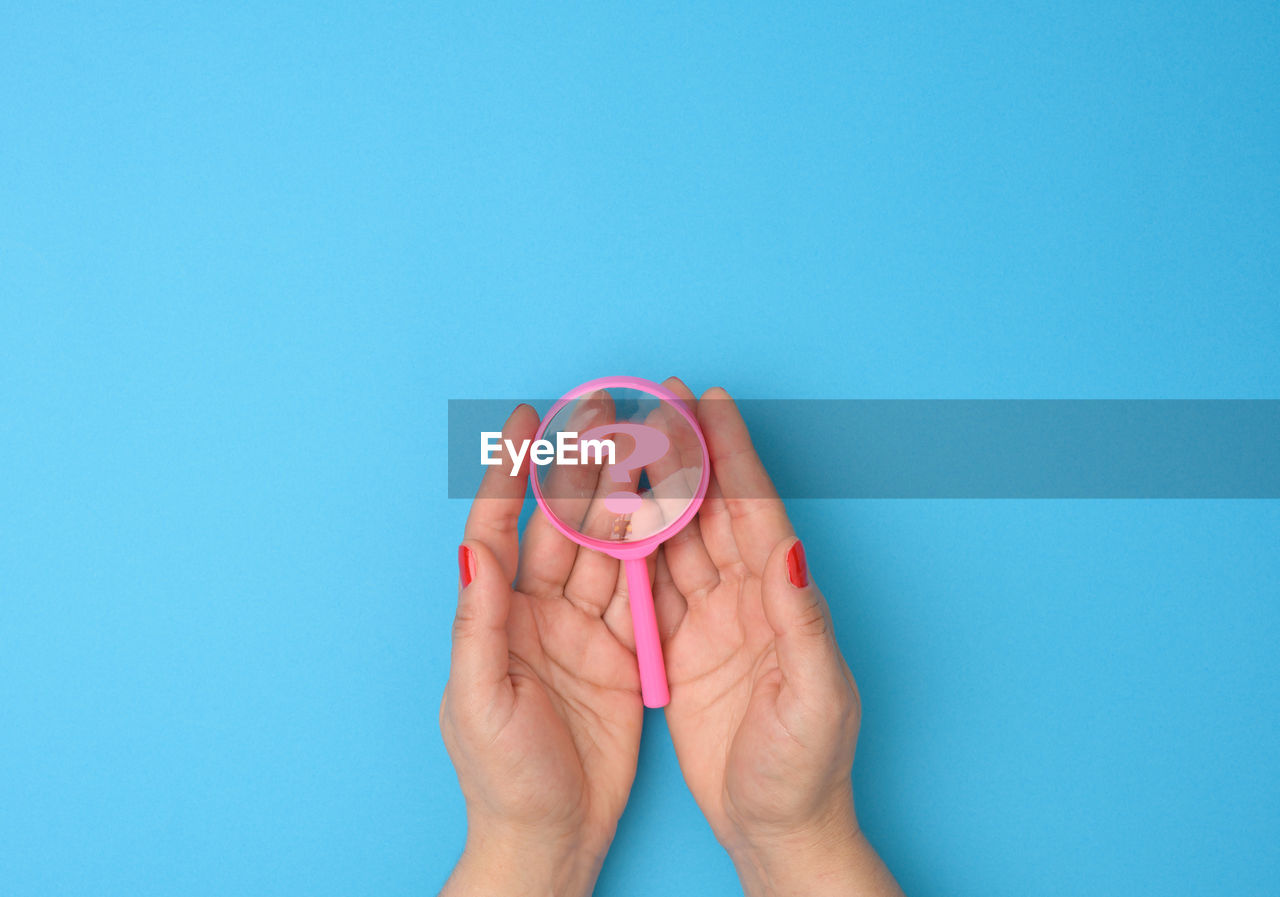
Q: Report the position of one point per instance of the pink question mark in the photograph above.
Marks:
(651, 444)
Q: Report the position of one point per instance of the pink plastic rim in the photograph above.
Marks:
(646, 546)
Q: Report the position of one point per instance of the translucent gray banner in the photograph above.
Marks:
(1063, 448)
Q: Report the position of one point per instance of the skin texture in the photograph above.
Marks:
(542, 711)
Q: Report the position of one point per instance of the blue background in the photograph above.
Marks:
(247, 252)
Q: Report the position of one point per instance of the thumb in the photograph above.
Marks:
(800, 619)
(478, 672)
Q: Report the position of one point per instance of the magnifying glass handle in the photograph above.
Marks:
(644, 623)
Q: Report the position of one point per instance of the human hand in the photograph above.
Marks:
(764, 711)
(542, 714)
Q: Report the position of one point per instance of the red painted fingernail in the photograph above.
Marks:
(797, 569)
(466, 565)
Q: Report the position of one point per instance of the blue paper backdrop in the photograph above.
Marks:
(248, 251)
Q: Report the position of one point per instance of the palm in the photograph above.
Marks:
(576, 719)
(717, 661)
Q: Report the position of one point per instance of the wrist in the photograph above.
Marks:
(509, 860)
(829, 856)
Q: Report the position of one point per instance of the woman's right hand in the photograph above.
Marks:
(542, 714)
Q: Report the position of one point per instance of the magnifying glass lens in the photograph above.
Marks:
(627, 465)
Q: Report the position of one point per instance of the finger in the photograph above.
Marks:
(568, 488)
(495, 514)
(617, 616)
(808, 655)
(617, 612)
(673, 476)
(547, 555)
(479, 680)
(716, 529)
(757, 516)
(599, 521)
(691, 569)
(594, 580)
(669, 605)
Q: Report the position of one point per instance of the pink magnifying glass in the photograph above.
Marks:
(629, 471)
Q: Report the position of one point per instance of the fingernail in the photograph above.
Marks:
(466, 565)
(797, 569)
